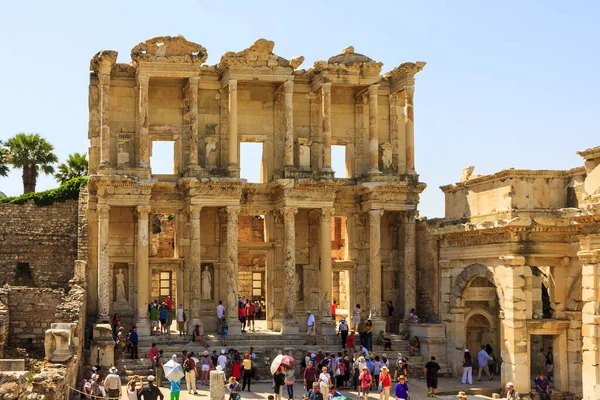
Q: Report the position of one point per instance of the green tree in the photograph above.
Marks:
(33, 154)
(3, 160)
(75, 166)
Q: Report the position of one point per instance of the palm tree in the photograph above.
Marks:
(75, 166)
(33, 154)
(3, 160)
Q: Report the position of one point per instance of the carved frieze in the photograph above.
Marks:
(172, 49)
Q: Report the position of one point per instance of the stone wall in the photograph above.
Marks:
(427, 270)
(31, 312)
(44, 237)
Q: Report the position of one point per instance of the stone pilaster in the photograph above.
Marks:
(409, 127)
(232, 269)
(143, 270)
(373, 131)
(104, 89)
(192, 120)
(410, 264)
(590, 329)
(142, 122)
(326, 113)
(104, 278)
(289, 324)
(288, 123)
(233, 125)
(375, 270)
(194, 264)
(514, 339)
(327, 326)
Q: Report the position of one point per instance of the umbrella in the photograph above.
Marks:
(173, 371)
(282, 361)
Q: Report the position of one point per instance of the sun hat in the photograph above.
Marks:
(205, 352)
(365, 367)
(222, 351)
(308, 311)
(510, 384)
(466, 350)
(113, 370)
(461, 394)
(150, 378)
(384, 368)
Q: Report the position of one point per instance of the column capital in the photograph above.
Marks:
(375, 214)
(194, 210)
(373, 89)
(143, 211)
(288, 213)
(327, 213)
(288, 86)
(589, 257)
(103, 210)
(232, 83)
(142, 77)
(194, 80)
(513, 260)
(409, 91)
(326, 87)
(233, 211)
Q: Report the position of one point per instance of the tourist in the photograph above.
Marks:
(154, 319)
(550, 363)
(199, 333)
(133, 341)
(236, 365)
(246, 371)
(461, 395)
(324, 380)
(112, 383)
(401, 367)
(415, 347)
(346, 375)
(467, 368)
(401, 390)
(412, 317)
(375, 369)
(220, 313)
(160, 372)
(133, 387)
(121, 343)
(356, 318)
(181, 317)
(258, 310)
(189, 368)
(175, 384)
(365, 382)
(343, 330)
(333, 309)
(482, 359)
(369, 335)
(362, 332)
(222, 360)
(242, 314)
(385, 383)
(116, 324)
(290, 380)
(169, 303)
(279, 382)
(150, 391)
(224, 331)
(250, 311)
(511, 393)
(162, 316)
(310, 375)
(387, 342)
(333, 393)
(492, 362)
(169, 322)
(152, 353)
(205, 365)
(542, 387)
(310, 331)
(314, 393)
(263, 308)
(350, 341)
(390, 306)
(97, 387)
(234, 389)
(541, 362)
(431, 370)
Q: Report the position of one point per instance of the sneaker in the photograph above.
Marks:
(428, 394)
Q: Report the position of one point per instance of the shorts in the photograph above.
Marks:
(365, 390)
(356, 320)
(550, 368)
(432, 382)
(311, 331)
(163, 321)
(155, 324)
(205, 367)
(250, 317)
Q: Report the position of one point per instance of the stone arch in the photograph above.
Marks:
(464, 279)
(574, 302)
(481, 312)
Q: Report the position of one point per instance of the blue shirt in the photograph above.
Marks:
(163, 313)
(175, 385)
(402, 391)
(133, 337)
(543, 384)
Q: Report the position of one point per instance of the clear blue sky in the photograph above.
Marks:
(507, 83)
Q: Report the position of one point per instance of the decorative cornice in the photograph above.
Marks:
(170, 49)
(513, 260)
(591, 153)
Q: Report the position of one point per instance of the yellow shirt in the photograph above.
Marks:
(247, 363)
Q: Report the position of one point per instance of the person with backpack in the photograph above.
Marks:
(189, 368)
(343, 331)
(310, 376)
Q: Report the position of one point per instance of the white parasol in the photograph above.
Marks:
(173, 370)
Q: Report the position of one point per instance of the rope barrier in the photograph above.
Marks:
(72, 389)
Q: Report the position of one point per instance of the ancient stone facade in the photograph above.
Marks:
(518, 267)
(167, 93)
(42, 240)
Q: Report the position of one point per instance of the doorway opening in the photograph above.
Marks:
(164, 234)
(251, 162)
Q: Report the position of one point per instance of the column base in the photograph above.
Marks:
(327, 326)
(191, 325)
(374, 172)
(234, 171)
(143, 326)
(193, 170)
(378, 325)
(289, 327)
(234, 327)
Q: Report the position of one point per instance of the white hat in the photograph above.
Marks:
(150, 378)
(205, 352)
(94, 369)
(308, 311)
(174, 357)
(399, 354)
(113, 370)
(509, 384)
(87, 385)
(222, 351)
(466, 350)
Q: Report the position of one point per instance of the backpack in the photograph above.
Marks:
(186, 366)
(184, 316)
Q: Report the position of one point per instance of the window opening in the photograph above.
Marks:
(338, 161)
(251, 161)
(162, 160)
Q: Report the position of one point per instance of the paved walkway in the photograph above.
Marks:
(417, 391)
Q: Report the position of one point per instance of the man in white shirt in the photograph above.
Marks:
(113, 383)
(181, 317)
(310, 331)
(220, 312)
(222, 360)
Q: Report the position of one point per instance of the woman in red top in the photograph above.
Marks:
(365, 382)
(242, 316)
(385, 382)
(236, 366)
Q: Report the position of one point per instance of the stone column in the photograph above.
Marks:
(375, 268)
(233, 125)
(143, 271)
(104, 89)
(590, 329)
(288, 123)
(193, 120)
(373, 131)
(326, 113)
(232, 270)
(143, 123)
(410, 265)
(514, 349)
(194, 265)
(327, 326)
(409, 127)
(289, 324)
(104, 278)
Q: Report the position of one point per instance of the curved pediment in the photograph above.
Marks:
(169, 49)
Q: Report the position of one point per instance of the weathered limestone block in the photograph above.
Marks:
(217, 385)
(58, 345)
(304, 152)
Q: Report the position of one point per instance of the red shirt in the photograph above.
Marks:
(153, 352)
(350, 341)
(169, 303)
(333, 307)
(385, 381)
(241, 312)
(250, 309)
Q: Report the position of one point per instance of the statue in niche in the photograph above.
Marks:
(120, 281)
(206, 284)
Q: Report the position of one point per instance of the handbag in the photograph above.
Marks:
(380, 387)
